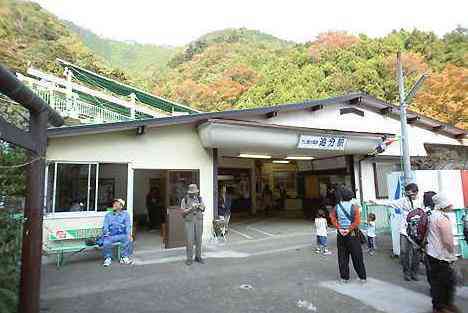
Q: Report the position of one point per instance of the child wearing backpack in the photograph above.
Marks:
(371, 233)
(321, 226)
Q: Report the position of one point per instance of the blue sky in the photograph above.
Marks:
(178, 22)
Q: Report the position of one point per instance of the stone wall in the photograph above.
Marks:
(442, 157)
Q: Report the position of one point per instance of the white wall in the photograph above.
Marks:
(368, 183)
(174, 147)
(329, 118)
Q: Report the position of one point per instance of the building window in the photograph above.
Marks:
(381, 170)
(83, 187)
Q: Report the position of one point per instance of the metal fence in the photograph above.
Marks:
(74, 107)
(382, 216)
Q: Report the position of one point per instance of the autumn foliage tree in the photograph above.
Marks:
(445, 96)
(331, 41)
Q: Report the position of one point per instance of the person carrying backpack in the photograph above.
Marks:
(410, 253)
(346, 217)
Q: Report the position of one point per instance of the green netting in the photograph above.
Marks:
(124, 90)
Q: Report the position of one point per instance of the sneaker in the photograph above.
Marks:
(126, 260)
(371, 252)
(326, 252)
(344, 281)
(199, 260)
(107, 262)
(362, 281)
(317, 250)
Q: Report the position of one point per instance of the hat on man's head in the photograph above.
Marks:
(440, 201)
(192, 188)
(121, 201)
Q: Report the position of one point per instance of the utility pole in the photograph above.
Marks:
(405, 99)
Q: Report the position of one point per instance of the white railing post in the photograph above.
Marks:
(133, 102)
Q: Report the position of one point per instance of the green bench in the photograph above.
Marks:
(73, 241)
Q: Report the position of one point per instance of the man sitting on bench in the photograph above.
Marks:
(117, 228)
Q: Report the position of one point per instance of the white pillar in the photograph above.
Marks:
(133, 101)
(130, 175)
(69, 91)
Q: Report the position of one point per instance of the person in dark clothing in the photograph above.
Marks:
(267, 199)
(224, 201)
(283, 196)
(154, 208)
(346, 217)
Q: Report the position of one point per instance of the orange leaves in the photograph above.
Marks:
(331, 41)
(413, 63)
(445, 96)
(219, 94)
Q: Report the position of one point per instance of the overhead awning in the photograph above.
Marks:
(118, 88)
(236, 137)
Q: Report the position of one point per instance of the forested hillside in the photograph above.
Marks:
(30, 35)
(240, 68)
(233, 69)
(144, 62)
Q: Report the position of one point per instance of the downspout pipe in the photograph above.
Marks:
(19, 92)
(361, 193)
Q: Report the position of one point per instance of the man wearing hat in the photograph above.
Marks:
(441, 256)
(117, 228)
(192, 211)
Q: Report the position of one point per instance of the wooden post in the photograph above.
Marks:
(32, 228)
(215, 183)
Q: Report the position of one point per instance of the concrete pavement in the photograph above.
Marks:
(282, 270)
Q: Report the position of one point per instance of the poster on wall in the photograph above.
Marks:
(106, 192)
(286, 179)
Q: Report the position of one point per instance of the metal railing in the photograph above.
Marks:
(73, 107)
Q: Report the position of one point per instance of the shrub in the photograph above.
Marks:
(10, 258)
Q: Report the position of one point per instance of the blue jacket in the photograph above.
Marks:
(116, 223)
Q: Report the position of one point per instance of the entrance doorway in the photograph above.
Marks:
(149, 203)
(156, 193)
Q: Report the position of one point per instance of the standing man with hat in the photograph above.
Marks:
(441, 256)
(192, 211)
(117, 228)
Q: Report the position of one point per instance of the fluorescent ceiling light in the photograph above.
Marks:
(280, 161)
(299, 158)
(254, 156)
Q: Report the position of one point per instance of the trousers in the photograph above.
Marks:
(350, 245)
(410, 257)
(124, 241)
(193, 233)
(442, 283)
